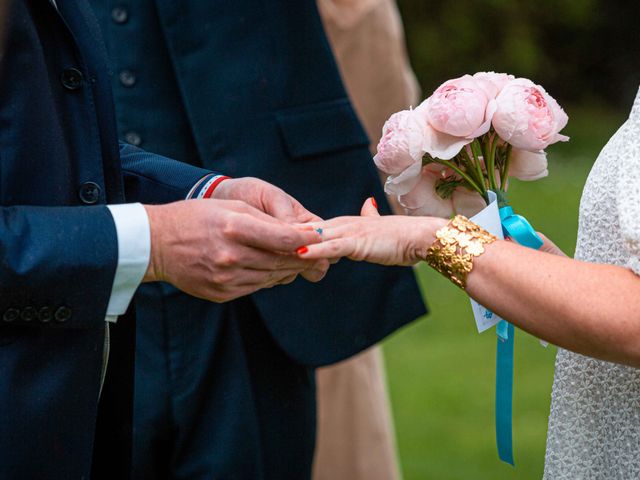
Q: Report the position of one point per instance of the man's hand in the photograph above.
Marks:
(223, 249)
(275, 202)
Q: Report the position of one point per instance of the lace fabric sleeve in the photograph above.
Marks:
(629, 189)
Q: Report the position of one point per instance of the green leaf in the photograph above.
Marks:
(446, 186)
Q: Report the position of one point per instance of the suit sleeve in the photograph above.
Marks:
(154, 179)
(56, 266)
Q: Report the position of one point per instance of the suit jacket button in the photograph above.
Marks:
(10, 315)
(89, 193)
(62, 314)
(45, 315)
(72, 79)
(133, 138)
(127, 78)
(28, 314)
(119, 15)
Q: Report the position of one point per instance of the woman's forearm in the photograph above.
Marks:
(587, 308)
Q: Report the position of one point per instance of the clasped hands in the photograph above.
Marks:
(249, 235)
(241, 240)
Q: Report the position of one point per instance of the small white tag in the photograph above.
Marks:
(489, 219)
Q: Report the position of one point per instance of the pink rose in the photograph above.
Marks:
(423, 200)
(458, 111)
(528, 165)
(400, 150)
(528, 117)
(492, 82)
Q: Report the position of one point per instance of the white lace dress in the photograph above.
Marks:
(594, 425)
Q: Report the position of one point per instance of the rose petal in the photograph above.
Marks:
(492, 82)
(423, 199)
(457, 107)
(403, 183)
(528, 166)
(492, 106)
(560, 138)
(401, 143)
(528, 117)
(442, 146)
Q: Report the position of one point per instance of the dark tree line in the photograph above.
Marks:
(580, 50)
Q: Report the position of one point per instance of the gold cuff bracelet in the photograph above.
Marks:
(455, 246)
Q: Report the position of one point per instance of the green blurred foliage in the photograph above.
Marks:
(581, 51)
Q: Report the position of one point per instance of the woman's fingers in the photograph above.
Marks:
(326, 224)
(370, 208)
(340, 247)
(550, 247)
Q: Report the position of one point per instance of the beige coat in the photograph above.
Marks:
(355, 430)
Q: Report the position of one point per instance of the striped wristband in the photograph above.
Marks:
(205, 187)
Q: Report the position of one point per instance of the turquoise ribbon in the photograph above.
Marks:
(518, 228)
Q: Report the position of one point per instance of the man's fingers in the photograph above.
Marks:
(317, 272)
(287, 280)
(275, 237)
(288, 209)
(313, 276)
(281, 206)
(264, 279)
(263, 260)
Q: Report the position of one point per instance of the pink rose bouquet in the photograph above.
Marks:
(452, 151)
(467, 138)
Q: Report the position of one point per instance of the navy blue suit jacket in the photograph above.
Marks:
(60, 163)
(250, 88)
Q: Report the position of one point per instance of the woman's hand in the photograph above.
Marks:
(389, 240)
(550, 247)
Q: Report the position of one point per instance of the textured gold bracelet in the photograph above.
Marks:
(455, 247)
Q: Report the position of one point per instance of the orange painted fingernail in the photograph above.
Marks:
(302, 250)
(374, 203)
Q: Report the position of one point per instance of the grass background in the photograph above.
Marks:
(441, 371)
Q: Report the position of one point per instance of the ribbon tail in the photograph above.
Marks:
(502, 330)
(517, 227)
(504, 393)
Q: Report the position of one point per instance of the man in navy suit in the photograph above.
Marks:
(247, 87)
(72, 253)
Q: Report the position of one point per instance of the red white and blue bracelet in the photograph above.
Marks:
(206, 186)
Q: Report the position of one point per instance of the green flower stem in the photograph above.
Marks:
(485, 147)
(490, 162)
(505, 169)
(473, 169)
(476, 149)
(460, 172)
(481, 175)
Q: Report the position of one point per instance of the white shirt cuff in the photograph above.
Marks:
(134, 250)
